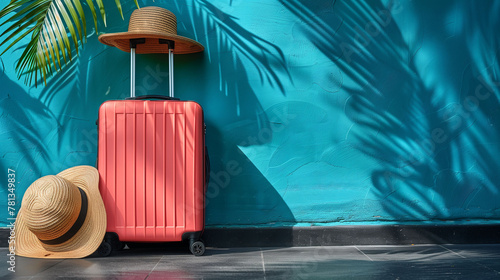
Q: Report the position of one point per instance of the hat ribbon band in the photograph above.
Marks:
(76, 226)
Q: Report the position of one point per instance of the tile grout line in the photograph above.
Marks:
(263, 264)
(480, 264)
(363, 253)
(449, 250)
(154, 267)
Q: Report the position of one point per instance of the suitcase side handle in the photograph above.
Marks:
(152, 96)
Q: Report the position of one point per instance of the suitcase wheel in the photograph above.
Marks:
(104, 249)
(197, 248)
(114, 241)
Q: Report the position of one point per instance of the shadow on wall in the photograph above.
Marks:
(424, 87)
(21, 117)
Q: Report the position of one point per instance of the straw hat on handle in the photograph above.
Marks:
(151, 23)
(62, 216)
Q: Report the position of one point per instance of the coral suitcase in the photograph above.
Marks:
(152, 163)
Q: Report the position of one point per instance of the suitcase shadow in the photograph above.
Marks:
(238, 194)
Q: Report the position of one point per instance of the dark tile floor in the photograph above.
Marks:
(342, 262)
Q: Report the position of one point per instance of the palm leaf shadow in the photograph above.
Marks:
(23, 144)
(394, 114)
(266, 58)
(235, 53)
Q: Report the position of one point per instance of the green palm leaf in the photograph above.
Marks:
(53, 25)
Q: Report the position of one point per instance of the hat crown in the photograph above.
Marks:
(52, 205)
(153, 19)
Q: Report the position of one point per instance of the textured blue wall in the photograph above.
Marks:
(318, 112)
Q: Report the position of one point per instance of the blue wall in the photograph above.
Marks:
(318, 112)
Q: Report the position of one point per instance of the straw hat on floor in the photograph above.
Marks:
(151, 23)
(62, 216)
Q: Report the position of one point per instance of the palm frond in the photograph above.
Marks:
(57, 28)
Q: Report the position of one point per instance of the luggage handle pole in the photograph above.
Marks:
(133, 45)
(171, 47)
(132, 72)
(171, 72)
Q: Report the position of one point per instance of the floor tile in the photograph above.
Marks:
(330, 262)
(24, 267)
(333, 262)
(486, 256)
(423, 262)
(235, 263)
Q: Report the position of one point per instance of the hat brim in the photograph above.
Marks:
(86, 240)
(121, 40)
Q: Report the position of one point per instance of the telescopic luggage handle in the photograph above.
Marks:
(171, 47)
(150, 96)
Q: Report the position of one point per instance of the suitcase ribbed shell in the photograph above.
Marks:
(151, 165)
